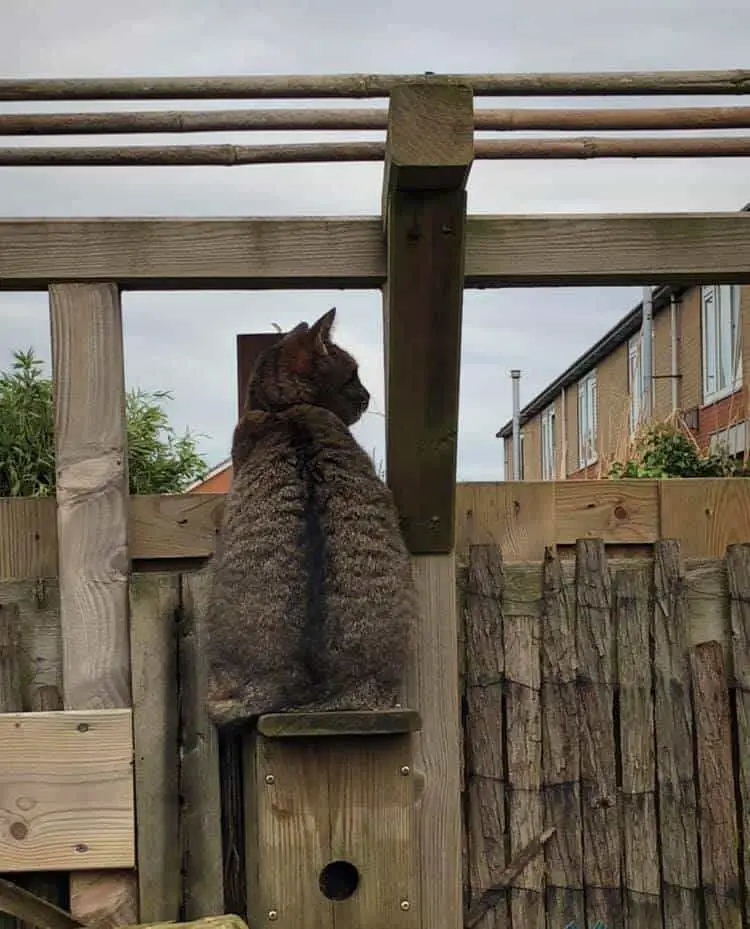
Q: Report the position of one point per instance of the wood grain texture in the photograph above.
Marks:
(717, 806)
(595, 249)
(154, 602)
(433, 691)
(615, 511)
(675, 767)
(705, 515)
(738, 571)
(169, 254)
(11, 701)
(522, 603)
(561, 784)
(707, 602)
(350, 722)
(201, 848)
(422, 306)
(92, 525)
(595, 646)
(484, 750)
(67, 778)
(634, 618)
(519, 516)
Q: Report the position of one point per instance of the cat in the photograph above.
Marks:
(313, 605)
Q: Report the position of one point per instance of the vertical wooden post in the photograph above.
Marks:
(428, 155)
(92, 522)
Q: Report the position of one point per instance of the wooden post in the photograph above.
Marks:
(92, 523)
(429, 152)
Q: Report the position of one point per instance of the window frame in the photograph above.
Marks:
(720, 378)
(587, 391)
(548, 441)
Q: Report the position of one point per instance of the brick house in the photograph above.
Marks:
(217, 481)
(583, 420)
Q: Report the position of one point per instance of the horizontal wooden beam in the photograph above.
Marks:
(329, 86)
(66, 790)
(193, 254)
(323, 253)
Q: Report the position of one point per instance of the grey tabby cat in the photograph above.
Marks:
(313, 604)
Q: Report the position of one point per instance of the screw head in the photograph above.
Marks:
(82, 727)
(405, 770)
(273, 914)
(405, 905)
(270, 779)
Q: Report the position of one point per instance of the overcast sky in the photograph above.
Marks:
(185, 342)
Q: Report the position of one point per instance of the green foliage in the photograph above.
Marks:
(159, 460)
(667, 450)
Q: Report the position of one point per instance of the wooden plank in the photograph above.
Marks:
(326, 252)
(173, 254)
(707, 602)
(595, 645)
(484, 746)
(433, 691)
(92, 495)
(288, 837)
(522, 599)
(199, 770)
(174, 525)
(154, 601)
(615, 511)
(633, 619)
(607, 250)
(717, 807)
(423, 299)
(561, 788)
(371, 812)
(675, 769)
(11, 695)
(738, 571)
(28, 537)
(705, 514)
(519, 516)
(351, 723)
(67, 777)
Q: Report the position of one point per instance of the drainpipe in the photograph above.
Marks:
(674, 371)
(647, 365)
(516, 378)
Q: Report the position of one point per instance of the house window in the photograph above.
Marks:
(548, 444)
(722, 359)
(587, 420)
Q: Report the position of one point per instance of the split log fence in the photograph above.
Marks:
(102, 594)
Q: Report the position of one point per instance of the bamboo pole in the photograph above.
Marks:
(500, 120)
(503, 150)
(613, 83)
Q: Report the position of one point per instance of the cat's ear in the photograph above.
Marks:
(321, 330)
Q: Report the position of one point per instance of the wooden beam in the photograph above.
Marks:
(92, 529)
(66, 782)
(617, 249)
(168, 254)
(425, 216)
(261, 254)
(334, 86)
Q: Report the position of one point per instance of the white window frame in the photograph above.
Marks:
(522, 456)
(721, 351)
(549, 424)
(587, 420)
(635, 380)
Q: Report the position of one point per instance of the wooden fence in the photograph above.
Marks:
(603, 693)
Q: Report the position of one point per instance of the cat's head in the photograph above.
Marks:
(305, 366)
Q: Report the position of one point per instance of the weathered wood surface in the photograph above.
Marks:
(595, 646)
(675, 768)
(561, 785)
(738, 571)
(522, 602)
(429, 152)
(719, 840)
(633, 631)
(92, 527)
(199, 786)
(365, 723)
(484, 749)
(522, 517)
(154, 604)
